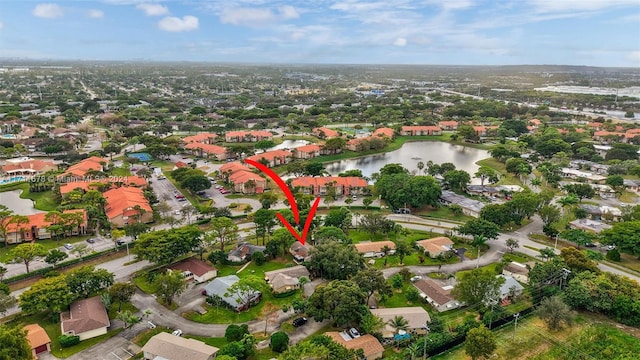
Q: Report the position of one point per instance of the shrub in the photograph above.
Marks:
(613, 255)
(279, 341)
(258, 258)
(233, 205)
(68, 340)
(412, 294)
(236, 332)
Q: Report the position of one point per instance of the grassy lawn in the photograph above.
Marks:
(490, 267)
(53, 330)
(398, 299)
(586, 339)
(518, 257)
(113, 309)
(413, 259)
(358, 236)
(628, 197)
(121, 171)
(507, 178)
(144, 336)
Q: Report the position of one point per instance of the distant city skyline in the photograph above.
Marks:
(439, 32)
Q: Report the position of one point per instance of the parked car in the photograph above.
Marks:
(353, 332)
(590, 245)
(120, 242)
(610, 247)
(299, 321)
(177, 332)
(91, 241)
(177, 212)
(179, 196)
(182, 199)
(416, 278)
(68, 246)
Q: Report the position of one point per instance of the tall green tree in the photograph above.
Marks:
(244, 289)
(52, 294)
(222, 230)
(54, 256)
(486, 173)
(121, 293)
(14, 343)
(340, 300)
(26, 253)
(478, 287)
(164, 246)
(370, 281)
(555, 313)
(625, 236)
(169, 285)
(88, 280)
(333, 260)
(481, 227)
(480, 343)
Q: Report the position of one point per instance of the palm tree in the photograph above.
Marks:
(398, 323)
(478, 240)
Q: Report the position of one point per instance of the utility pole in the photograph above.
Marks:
(424, 348)
(565, 274)
(515, 326)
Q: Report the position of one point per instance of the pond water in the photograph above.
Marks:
(411, 153)
(289, 144)
(11, 199)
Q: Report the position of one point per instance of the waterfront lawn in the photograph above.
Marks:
(45, 200)
(507, 178)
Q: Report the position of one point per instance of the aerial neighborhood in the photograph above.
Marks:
(439, 218)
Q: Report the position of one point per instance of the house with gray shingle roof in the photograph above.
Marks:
(219, 288)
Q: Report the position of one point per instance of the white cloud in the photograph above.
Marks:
(153, 9)
(400, 42)
(634, 57)
(48, 11)
(95, 14)
(1, 25)
(247, 16)
(176, 24)
(289, 12)
(545, 6)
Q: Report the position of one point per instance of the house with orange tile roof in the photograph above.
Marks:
(247, 136)
(370, 346)
(28, 166)
(535, 122)
(357, 144)
(384, 132)
(86, 318)
(448, 125)
(325, 133)
(307, 151)
(604, 135)
(208, 151)
(231, 167)
(349, 185)
(273, 158)
(38, 339)
(480, 130)
(374, 248)
(127, 205)
(203, 138)
(81, 169)
(420, 130)
(595, 125)
(37, 227)
(116, 181)
(436, 246)
(247, 182)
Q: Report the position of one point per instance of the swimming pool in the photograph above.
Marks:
(12, 179)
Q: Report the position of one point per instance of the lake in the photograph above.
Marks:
(11, 199)
(411, 153)
(289, 144)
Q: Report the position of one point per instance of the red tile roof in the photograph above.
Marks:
(448, 123)
(252, 133)
(368, 343)
(242, 176)
(270, 155)
(38, 221)
(382, 132)
(232, 167)
(328, 133)
(421, 128)
(81, 168)
(86, 185)
(33, 164)
(202, 137)
(121, 201)
(308, 148)
(207, 148)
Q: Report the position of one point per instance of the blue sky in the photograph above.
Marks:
(461, 32)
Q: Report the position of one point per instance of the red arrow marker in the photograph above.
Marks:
(292, 202)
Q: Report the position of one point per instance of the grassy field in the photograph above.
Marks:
(45, 201)
(586, 339)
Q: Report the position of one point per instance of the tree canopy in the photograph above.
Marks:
(341, 301)
(164, 246)
(333, 260)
